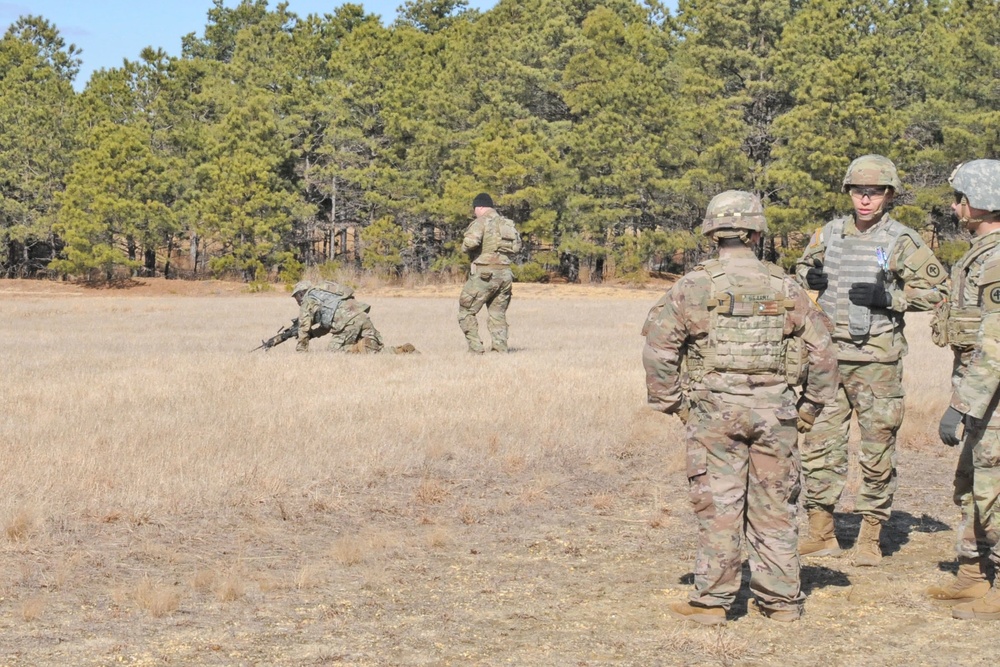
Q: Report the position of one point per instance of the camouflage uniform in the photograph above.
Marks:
(330, 308)
(970, 324)
(721, 343)
(869, 345)
(490, 282)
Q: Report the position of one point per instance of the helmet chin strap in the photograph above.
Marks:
(880, 211)
(971, 223)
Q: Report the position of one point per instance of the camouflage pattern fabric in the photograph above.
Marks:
(975, 391)
(872, 170)
(875, 392)
(682, 327)
(353, 327)
(871, 376)
(978, 181)
(975, 381)
(741, 432)
(917, 284)
(736, 487)
(491, 287)
(349, 325)
(491, 281)
(494, 237)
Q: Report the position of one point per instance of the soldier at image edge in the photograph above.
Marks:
(330, 308)
(969, 322)
(725, 347)
(868, 269)
(490, 282)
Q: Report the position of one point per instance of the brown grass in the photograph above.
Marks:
(425, 509)
(157, 599)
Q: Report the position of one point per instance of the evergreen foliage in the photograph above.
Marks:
(601, 127)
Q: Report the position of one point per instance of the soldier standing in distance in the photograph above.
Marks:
(490, 280)
(724, 347)
(970, 323)
(869, 269)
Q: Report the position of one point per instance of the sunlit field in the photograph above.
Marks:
(170, 497)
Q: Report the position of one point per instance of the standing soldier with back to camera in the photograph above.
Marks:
(493, 239)
(868, 269)
(970, 322)
(724, 347)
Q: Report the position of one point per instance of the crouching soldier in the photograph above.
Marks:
(330, 308)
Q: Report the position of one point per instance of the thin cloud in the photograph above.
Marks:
(11, 12)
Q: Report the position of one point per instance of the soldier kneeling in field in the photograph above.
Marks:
(330, 308)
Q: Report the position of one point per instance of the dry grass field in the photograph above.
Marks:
(170, 499)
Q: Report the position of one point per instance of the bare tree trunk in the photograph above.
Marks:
(332, 254)
(170, 252)
(194, 253)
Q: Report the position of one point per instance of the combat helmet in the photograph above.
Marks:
(731, 211)
(301, 287)
(979, 181)
(872, 170)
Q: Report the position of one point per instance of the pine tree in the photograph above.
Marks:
(37, 135)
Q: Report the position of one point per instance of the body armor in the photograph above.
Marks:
(855, 259)
(328, 304)
(500, 240)
(963, 313)
(746, 334)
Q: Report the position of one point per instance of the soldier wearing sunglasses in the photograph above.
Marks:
(869, 269)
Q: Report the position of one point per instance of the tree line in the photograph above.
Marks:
(277, 142)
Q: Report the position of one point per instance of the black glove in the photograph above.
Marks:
(872, 295)
(948, 428)
(816, 279)
(808, 411)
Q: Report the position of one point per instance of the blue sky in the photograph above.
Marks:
(109, 31)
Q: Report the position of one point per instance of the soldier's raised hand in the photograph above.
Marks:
(816, 279)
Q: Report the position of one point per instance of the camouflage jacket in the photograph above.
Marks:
(494, 236)
(917, 283)
(679, 325)
(977, 373)
(317, 310)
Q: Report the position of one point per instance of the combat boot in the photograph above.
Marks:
(704, 615)
(787, 615)
(867, 550)
(986, 608)
(821, 541)
(405, 348)
(970, 583)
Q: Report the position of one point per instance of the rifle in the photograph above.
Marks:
(291, 331)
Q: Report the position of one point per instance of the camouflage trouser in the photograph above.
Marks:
(353, 331)
(875, 391)
(743, 476)
(977, 487)
(490, 287)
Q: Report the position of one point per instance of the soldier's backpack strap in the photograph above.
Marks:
(778, 281)
(721, 299)
(720, 283)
